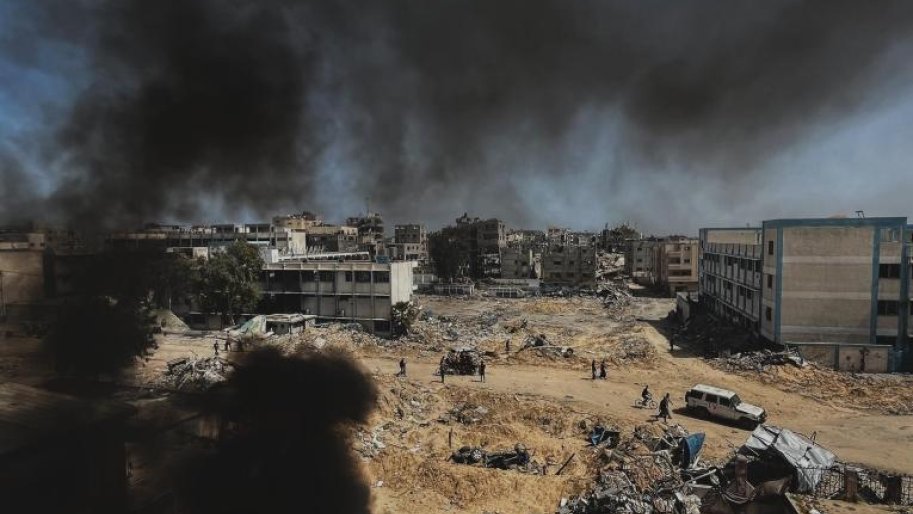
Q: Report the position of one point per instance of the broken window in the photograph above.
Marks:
(770, 248)
(326, 276)
(348, 276)
(888, 307)
(768, 313)
(889, 271)
(382, 276)
(770, 281)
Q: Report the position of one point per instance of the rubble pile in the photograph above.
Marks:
(437, 332)
(516, 459)
(710, 337)
(541, 344)
(759, 361)
(195, 374)
(467, 414)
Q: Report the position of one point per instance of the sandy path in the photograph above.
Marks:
(879, 441)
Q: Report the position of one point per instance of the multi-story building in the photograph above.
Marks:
(839, 288)
(675, 265)
(332, 238)
(520, 262)
(730, 274)
(477, 244)
(639, 258)
(302, 221)
(362, 292)
(569, 265)
(411, 242)
(287, 241)
(370, 232)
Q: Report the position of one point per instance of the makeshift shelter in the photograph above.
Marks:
(807, 460)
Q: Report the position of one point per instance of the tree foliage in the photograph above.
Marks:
(95, 335)
(403, 316)
(448, 256)
(229, 282)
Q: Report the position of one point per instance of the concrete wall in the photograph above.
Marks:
(848, 357)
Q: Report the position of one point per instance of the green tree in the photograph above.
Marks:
(229, 282)
(404, 315)
(97, 335)
(448, 255)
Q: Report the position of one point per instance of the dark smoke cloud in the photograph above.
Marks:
(291, 452)
(271, 106)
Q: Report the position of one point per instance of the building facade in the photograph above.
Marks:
(837, 287)
(520, 262)
(411, 242)
(639, 258)
(361, 292)
(569, 265)
(730, 274)
(675, 265)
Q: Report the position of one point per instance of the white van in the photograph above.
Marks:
(708, 401)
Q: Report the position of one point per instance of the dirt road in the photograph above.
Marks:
(874, 440)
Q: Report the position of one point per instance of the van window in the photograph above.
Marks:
(695, 394)
(724, 402)
(711, 398)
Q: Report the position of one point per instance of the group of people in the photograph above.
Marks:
(402, 369)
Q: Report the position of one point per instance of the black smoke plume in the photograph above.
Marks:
(201, 107)
(288, 450)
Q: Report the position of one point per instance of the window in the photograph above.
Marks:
(770, 281)
(768, 313)
(326, 276)
(308, 276)
(890, 235)
(748, 294)
(724, 402)
(382, 276)
(889, 271)
(710, 398)
(770, 248)
(363, 276)
(348, 276)
(888, 307)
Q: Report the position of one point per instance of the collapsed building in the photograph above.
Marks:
(670, 263)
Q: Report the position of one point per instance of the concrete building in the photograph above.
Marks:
(520, 262)
(411, 243)
(332, 238)
(730, 274)
(370, 232)
(675, 265)
(361, 292)
(838, 288)
(639, 259)
(287, 241)
(302, 221)
(477, 245)
(569, 265)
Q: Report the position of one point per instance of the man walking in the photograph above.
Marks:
(593, 368)
(402, 367)
(672, 342)
(602, 373)
(481, 371)
(664, 405)
(215, 348)
(442, 370)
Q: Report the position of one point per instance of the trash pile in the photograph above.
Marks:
(195, 374)
(759, 361)
(517, 459)
(614, 295)
(466, 414)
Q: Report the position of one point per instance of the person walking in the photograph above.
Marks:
(215, 348)
(672, 342)
(507, 346)
(402, 367)
(227, 344)
(664, 405)
(442, 370)
(481, 371)
(602, 373)
(593, 368)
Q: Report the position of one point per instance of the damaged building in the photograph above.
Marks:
(569, 265)
(838, 288)
(362, 292)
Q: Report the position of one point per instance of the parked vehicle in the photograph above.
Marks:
(708, 401)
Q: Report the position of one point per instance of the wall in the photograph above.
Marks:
(847, 357)
(23, 276)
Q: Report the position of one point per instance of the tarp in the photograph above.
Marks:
(807, 458)
(253, 326)
(691, 448)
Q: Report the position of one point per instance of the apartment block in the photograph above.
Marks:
(675, 265)
(569, 265)
(839, 288)
(411, 242)
(286, 241)
(639, 258)
(361, 292)
(520, 262)
(730, 274)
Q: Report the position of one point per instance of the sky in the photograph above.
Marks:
(668, 115)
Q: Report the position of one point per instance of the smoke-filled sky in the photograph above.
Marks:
(669, 114)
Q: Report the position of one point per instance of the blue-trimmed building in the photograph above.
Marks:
(838, 287)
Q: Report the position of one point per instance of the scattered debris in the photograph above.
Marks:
(518, 458)
(195, 374)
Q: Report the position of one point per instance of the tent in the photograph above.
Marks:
(807, 458)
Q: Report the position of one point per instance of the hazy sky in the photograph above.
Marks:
(671, 115)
